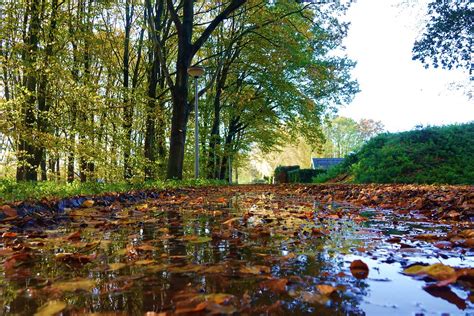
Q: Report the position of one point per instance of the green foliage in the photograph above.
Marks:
(10, 190)
(304, 175)
(281, 173)
(344, 135)
(443, 155)
(447, 39)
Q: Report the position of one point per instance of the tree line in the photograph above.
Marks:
(99, 89)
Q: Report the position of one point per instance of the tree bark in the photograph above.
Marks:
(186, 52)
(29, 154)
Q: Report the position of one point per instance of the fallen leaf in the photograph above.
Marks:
(142, 207)
(437, 271)
(359, 269)
(326, 289)
(254, 269)
(8, 211)
(274, 285)
(88, 203)
(116, 266)
(74, 236)
(9, 235)
(74, 285)
(314, 298)
(144, 262)
(231, 221)
(51, 308)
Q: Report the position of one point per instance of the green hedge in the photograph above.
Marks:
(281, 173)
(304, 175)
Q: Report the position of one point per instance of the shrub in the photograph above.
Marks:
(281, 173)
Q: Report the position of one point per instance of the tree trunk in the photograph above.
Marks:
(180, 94)
(128, 109)
(29, 154)
(186, 51)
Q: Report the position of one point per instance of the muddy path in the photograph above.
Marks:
(243, 250)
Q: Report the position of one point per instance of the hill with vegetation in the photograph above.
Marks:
(442, 155)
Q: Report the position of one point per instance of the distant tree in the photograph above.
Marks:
(345, 135)
(447, 39)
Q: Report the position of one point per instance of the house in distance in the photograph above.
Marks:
(325, 163)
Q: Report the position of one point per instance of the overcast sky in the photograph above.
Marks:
(394, 89)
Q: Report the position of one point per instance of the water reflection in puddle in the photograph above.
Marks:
(230, 256)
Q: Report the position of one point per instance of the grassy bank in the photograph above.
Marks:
(11, 190)
(442, 155)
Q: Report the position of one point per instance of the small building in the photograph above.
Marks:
(325, 163)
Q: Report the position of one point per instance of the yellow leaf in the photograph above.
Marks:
(142, 207)
(74, 285)
(144, 262)
(437, 271)
(325, 289)
(51, 308)
(440, 271)
(116, 266)
(415, 270)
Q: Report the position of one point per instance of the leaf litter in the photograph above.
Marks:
(241, 249)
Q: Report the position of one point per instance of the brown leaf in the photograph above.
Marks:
(359, 269)
(74, 236)
(274, 285)
(8, 211)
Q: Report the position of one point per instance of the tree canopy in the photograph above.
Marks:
(99, 89)
(447, 38)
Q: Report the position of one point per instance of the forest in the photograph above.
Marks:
(100, 90)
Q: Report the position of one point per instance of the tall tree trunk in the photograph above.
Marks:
(180, 114)
(43, 100)
(29, 153)
(128, 109)
(186, 51)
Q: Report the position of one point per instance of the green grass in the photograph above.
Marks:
(434, 155)
(10, 190)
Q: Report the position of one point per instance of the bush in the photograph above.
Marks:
(281, 173)
(304, 175)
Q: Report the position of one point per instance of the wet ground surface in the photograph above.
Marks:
(237, 250)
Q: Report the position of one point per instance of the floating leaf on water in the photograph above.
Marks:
(88, 203)
(437, 271)
(274, 285)
(326, 289)
(144, 262)
(255, 269)
(9, 235)
(231, 221)
(74, 285)
(359, 269)
(142, 207)
(414, 270)
(51, 308)
(74, 236)
(314, 298)
(116, 266)
(8, 211)
(200, 240)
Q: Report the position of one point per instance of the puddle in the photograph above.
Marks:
(229, 253)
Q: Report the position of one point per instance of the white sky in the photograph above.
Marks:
(394, 89)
